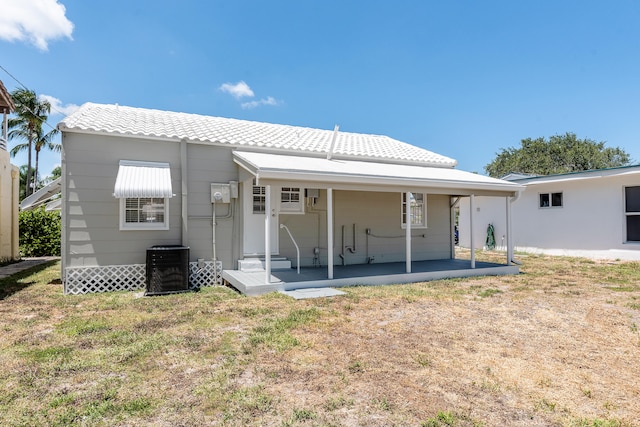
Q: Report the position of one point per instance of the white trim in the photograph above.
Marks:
(471, 234)
(550, 194)
(132, 226)
(322, 173)
(267, 233)
(403, 220)
(291, 208)
(628, 214)
(408, 225)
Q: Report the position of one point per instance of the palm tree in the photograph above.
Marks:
(32, 113)
(39, 142)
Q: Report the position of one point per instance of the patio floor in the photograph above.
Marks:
(253, 283)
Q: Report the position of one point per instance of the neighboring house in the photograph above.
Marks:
(592, 214)
(47, 196)
(249, 198)
(9, 187)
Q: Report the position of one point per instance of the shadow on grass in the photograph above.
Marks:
(15, 283)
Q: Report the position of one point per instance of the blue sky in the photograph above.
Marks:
(462, 78)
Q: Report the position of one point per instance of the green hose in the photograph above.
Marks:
(490, 243)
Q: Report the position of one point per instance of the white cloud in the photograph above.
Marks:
(264, 101)
(57, 107)
(34, 21)
(237, 90)
(242, 90)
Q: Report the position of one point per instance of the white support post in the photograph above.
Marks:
(267, 233)
(330, 233)
(509, 241)
(407, 223)
(471, 232)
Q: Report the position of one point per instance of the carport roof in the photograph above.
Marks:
(380, 176)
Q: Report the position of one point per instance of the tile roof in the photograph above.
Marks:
(121, 120)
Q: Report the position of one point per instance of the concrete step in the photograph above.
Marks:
(258, 264)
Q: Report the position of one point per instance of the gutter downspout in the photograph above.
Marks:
(184, 191)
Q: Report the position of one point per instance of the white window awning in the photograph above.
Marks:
(143, 179)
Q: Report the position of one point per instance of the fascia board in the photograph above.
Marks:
(401, 182)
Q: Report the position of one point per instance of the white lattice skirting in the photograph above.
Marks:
(110, 278)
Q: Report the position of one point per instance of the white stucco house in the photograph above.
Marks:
(592, 214)
(9, 186)
(260, 206)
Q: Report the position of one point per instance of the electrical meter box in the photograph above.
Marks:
(220, 193)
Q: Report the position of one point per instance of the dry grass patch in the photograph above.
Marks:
(556, 345)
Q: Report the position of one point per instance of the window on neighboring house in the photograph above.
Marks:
(632, 213)
(144, 213)
(259, 200)
(550, 200)
(418, 209)
(291, 200)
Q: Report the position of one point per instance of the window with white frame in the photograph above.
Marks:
(259, 198)
(548, 200)
(417, 210)
(632, 213)
(144, 213)
(291, 200)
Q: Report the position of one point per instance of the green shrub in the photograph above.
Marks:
(39, 233)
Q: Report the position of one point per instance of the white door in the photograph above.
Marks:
(254, 205)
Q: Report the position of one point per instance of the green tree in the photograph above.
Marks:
(559, 154)
(23, 181)
(39, 142)
(55, 174)
(31, 113)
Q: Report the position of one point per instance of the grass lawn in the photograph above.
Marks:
(558, 344)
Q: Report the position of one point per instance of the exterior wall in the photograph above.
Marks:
(210, 164)
(9, 194)
(91, 218)
(376, 211)
(487, 210)
(591, 221)
(91, 235)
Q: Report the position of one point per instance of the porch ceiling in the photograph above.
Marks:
(361, 175)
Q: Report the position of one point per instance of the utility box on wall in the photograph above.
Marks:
(220, 193)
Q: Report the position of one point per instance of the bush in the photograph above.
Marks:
(39, 233)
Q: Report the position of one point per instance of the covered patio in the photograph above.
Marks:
(355, 176)
(253, 283)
